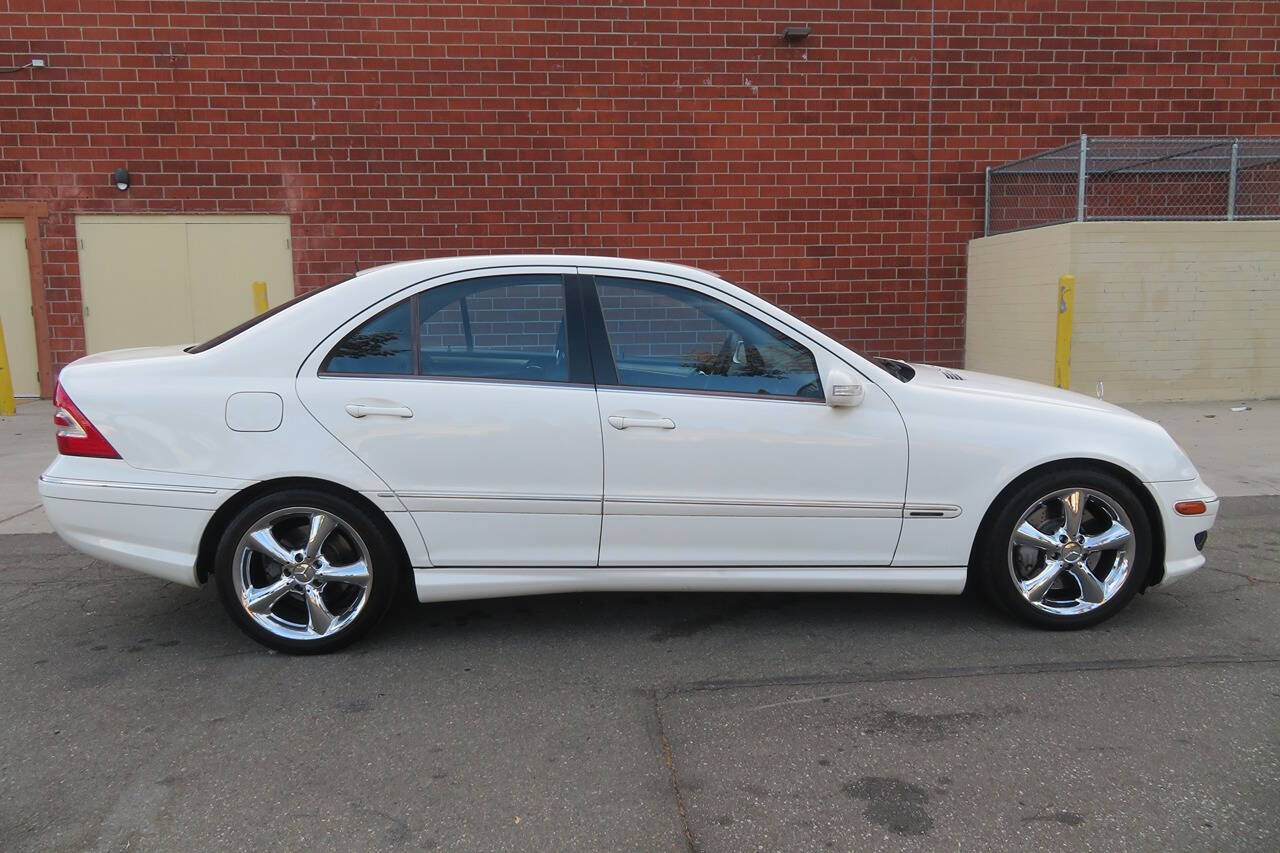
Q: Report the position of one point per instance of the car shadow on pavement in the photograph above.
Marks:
(662, 617)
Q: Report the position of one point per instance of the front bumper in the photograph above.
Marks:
(1181, 554)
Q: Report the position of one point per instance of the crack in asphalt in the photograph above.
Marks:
(1250, 578)
(690, 842)
(19, 514)
(818, 680)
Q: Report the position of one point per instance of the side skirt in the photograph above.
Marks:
(453, 584)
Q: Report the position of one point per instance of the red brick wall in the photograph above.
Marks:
(840, 177)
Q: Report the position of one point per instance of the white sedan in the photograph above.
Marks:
(494, 426)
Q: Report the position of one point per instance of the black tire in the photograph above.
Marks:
(355, 528)
(994, 564)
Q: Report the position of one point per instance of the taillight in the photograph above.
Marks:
(76, 435)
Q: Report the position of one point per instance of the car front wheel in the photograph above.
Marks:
(1067, 549)
(304, 571)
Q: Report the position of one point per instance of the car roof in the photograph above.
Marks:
(429, 265)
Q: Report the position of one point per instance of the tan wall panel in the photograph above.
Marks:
(1012, 299)
(15, 308)
(1177, 310)
(1163, 310)
(153, 280)
(133, 282)
(225, 258)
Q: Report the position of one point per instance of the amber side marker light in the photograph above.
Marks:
(1190, 508)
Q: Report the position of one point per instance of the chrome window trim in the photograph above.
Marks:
(740, 395)
(631, 389)
(419, 285)
(476, 380)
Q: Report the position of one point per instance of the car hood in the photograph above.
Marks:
(989, 385)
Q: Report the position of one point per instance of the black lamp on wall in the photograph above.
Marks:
(120, 177)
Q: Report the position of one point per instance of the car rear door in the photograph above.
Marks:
(473, 400)
(719, 447)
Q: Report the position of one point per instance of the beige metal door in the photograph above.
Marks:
(225, 259)
(152, 280)
(133, 283)
(15, 308)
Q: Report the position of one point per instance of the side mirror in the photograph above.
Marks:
(843, 390)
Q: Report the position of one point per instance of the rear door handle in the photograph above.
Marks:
(361, 410)
(622, 422)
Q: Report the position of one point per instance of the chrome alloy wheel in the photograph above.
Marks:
(302, 573)
(1071, 551)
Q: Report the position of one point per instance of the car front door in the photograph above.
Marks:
(720, 449)
(473, 401)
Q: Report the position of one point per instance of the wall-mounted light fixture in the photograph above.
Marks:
(120, 177)
(796, 32)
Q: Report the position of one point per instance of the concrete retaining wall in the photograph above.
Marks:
(1163, 310)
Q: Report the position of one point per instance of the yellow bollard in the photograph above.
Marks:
(1066, 313)
(7, 406)
(259, 297)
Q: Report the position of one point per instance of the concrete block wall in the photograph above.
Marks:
(1163, 310)
(1012, 290)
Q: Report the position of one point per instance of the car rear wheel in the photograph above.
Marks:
(304, 571)
(1067, 550)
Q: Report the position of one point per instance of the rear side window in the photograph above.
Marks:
(502, 327)
(497, 327)
(383, 346)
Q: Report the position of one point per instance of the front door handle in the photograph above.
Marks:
(623, 422)
(361, 410)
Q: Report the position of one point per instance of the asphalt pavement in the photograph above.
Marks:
(136, 717)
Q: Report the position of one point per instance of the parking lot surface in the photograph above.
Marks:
(135, 716)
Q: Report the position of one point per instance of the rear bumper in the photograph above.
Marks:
(119, 515)
(1181, 554)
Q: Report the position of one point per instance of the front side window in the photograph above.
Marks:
(664, 336)
(498, 327)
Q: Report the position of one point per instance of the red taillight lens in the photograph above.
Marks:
(76, 435)
(1190, 508)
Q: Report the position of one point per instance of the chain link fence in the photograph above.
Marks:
(1109, 179)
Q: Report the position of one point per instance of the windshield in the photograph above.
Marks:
(253, 321)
